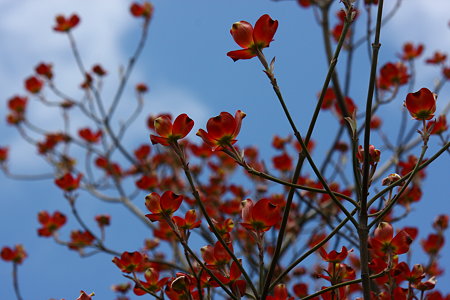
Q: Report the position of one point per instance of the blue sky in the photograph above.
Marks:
(186, 67)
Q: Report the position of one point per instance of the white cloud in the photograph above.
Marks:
(104, 25)
(425, 22)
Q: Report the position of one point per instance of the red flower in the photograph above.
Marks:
(142, 152)
(33, 84)
(103, 220)
(438, 126)
(411, 52)
(141, 88)
(110, 168)
(216, 256)
(50, 223)
(260, 216)
(68, 182)
(407, 166)
(393, 75)
(252, 39)
(282, 162)
(375, 122)
(144, 10)
(152, 283)
(16, 255)
(45, 70)
(64, 24)
(437, 58)
(17, 104)
(80, 239)
(98, 70)
(50, 142)
(384, 243)
(84, 296)
(304, 3)
(421, 104)
(349, 104)
(89, 136)
(147, 182)
(441, 222)
(130, 262)
(162, 206)
(222, 130)
(189, 222)
(433, 243)
(374, 155)
(171, 133)
(334, 256)
(3, 154)
(328, 98)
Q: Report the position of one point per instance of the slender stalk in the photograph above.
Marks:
(363, 229)
(304, 153)
(298, 186)
(196, 195)
(128, 70)
(281, 232)
(311, 251)
(406, 177)
(408, 181)
(16, 281)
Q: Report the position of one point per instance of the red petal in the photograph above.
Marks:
(182, 126)
(265, 29)
(220, 253)
(159, 140)
(384, 232)
(43, 217)
(152, 202)
(206, 138)
(401, 242)
(235, 272)
(163, 126)
(247, 206)
(190, 216)
(207, 253)
(179, 221)
(242, 33)
(241, 54)
(170, 201)
(151, 275)
(266, 212)
(154, 217)
(238, 116)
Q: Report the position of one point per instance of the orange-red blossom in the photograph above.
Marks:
(16, 254)
(50, 223)
(421, 104)
(252, 39)
(260, 216)
(171, 132)
(68, 183)
(162, 206)
(222, 130)
(385, 243)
